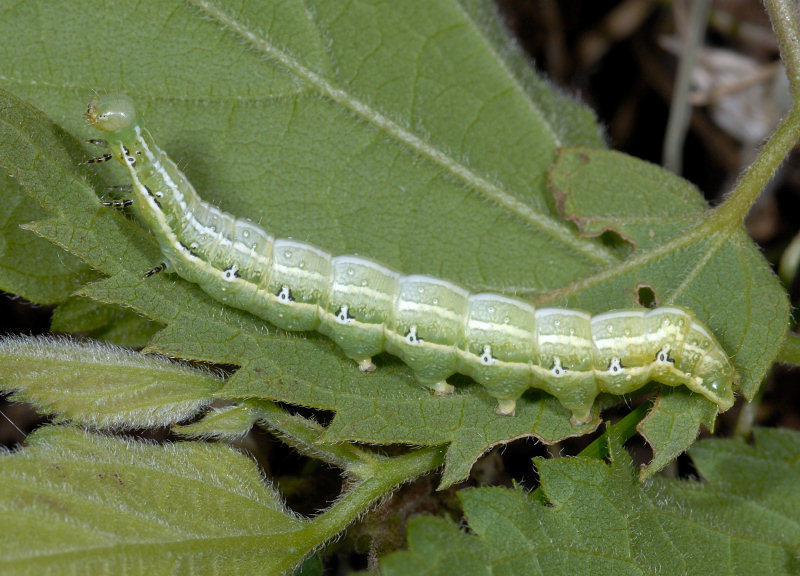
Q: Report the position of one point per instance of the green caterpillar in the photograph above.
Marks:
(434, 326)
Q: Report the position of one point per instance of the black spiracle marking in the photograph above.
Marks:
(285, 294)
(153, 196)
(343, 314)
(189, 250)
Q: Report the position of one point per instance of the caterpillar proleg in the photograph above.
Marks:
(435, 327)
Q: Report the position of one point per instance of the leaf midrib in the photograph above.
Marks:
(543, 222)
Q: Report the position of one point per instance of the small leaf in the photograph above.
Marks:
(82, 503)
(673, 425)
(100, 385)
(603, 190)
(228, 422)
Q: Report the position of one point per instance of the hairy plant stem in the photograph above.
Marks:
(374, 476)
(377, 480)
(784, 17)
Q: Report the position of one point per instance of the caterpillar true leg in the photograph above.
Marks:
(117, 203)
(99, 159)
(153, 271)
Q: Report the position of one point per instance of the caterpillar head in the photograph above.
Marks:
(113, 113)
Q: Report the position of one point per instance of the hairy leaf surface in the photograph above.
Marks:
(596, 518)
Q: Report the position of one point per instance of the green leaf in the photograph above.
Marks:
(100, 385)
(230, 422)
(674, 425)
(790, 350)
(758, 481)
(103, 322)
(635, 217)
(75, 501)
(597, 518)
(411, 133)
(29, 266)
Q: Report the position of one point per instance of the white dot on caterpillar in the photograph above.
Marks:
(231, 273)
(615, 366)
(663, 356)
(557, 369)
(343, 316)
(285, 294)
(486, 356)
(411, 337)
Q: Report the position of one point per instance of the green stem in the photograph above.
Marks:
(622, 430)
(747, 417)
(375, 476)
(784, 17)
(732, 212)
(386, 474)
(304, 435)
